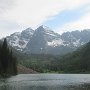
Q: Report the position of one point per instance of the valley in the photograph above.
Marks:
(44, 51)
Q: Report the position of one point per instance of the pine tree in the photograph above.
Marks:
(0, 61)
(7, 61)
(4, 56)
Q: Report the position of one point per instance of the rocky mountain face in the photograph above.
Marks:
(45, 41)
(42, 40)
(19, 40)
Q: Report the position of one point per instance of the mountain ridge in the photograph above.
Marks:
(45, 41)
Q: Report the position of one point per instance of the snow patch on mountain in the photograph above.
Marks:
(45, 27)
(55, 43)
(77, 43)
(51, 34)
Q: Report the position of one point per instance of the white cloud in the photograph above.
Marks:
(32, 13)
(6, 4)
(82, 23)
(7, 27)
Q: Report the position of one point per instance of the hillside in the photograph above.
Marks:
(76, 62)
(23, 70)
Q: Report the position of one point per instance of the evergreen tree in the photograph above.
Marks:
(4, 56)
(0, 61)
(7, 61)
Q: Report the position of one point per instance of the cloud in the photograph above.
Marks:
(7, 27)
(82, 23)
(32, 13)
(6, 4)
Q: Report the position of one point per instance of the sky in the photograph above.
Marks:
(58, 15)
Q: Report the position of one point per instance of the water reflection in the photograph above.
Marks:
(46, 82)
(45, 88)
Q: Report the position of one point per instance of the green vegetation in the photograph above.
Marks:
(75, 62)
(7, 61)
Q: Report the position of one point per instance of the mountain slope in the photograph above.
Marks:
(24, 70)
(76, 62)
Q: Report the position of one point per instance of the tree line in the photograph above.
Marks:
(8, 62)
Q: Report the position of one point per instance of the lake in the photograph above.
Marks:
(46, 82)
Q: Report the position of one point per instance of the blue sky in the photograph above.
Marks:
(58, 15)
(66, 16)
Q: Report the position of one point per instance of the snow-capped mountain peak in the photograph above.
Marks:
(19, 40)
(45, 27)
(44, 40)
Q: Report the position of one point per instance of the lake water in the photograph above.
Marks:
(46, 82)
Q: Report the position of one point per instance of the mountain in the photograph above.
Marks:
(45, 41)
(76, 38)
(19, 40)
